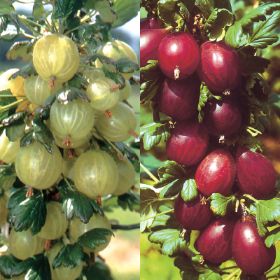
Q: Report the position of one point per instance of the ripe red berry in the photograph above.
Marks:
(150, 23)
(255, 174)
(178, 55)
(149, 43)
(194, 215)
(179, 99)
(216, 173)
(188, 143)
(223, 117)
(219, 67)
(249, 250)
(214, 242)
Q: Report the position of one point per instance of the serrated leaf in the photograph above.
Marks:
(64, 8)
(171, 240)
(147, 218)
(95, 238)
(267, 211)
(220, 204)
(70, 255)
(172, 13)
(40, 269)
(129, 201)
(164, 217)
(189, 190)
(77, 204)
(125, 10)
(172, 188)
(27, 212)
(217, 23)
(99, 270)
(153, 133)
(262, 34)
(272, 238)
(237, 36)
(203, 98)
(20, 50)
(10, 266)
(205, 6)
(151, 80)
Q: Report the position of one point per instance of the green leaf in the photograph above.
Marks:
(70, 255)
(172, 177)
(262, 34)
(210, 275)
(189, 190)
(205, 6)
(172, 13)
(40, 269)
(151, 80)
(106, 13)
(6, 7)
(14, 126)
(238, 36)
(147, 217)
(153, 133)
(171, 240)
(65, 8)
(272, 238)
(220, 204)
(99, 270)
(164, 217)
(203, 98)
(125, 10)
(95, 238)
(7, 176)
(10, 266)
(129, 201)
(20, 50)
(39, 132)
(27, 212)
(217, 23)
(267, 211)
(38, 9)
(77, 204)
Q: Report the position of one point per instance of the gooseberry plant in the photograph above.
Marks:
(64, 117)
(213, 205)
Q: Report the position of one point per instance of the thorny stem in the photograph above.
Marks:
(126, 227)
(149, 173)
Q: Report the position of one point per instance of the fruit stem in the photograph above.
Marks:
(251, 197)
(149, 173)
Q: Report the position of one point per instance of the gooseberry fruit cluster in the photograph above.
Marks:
(215, 177)
(62, 125)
